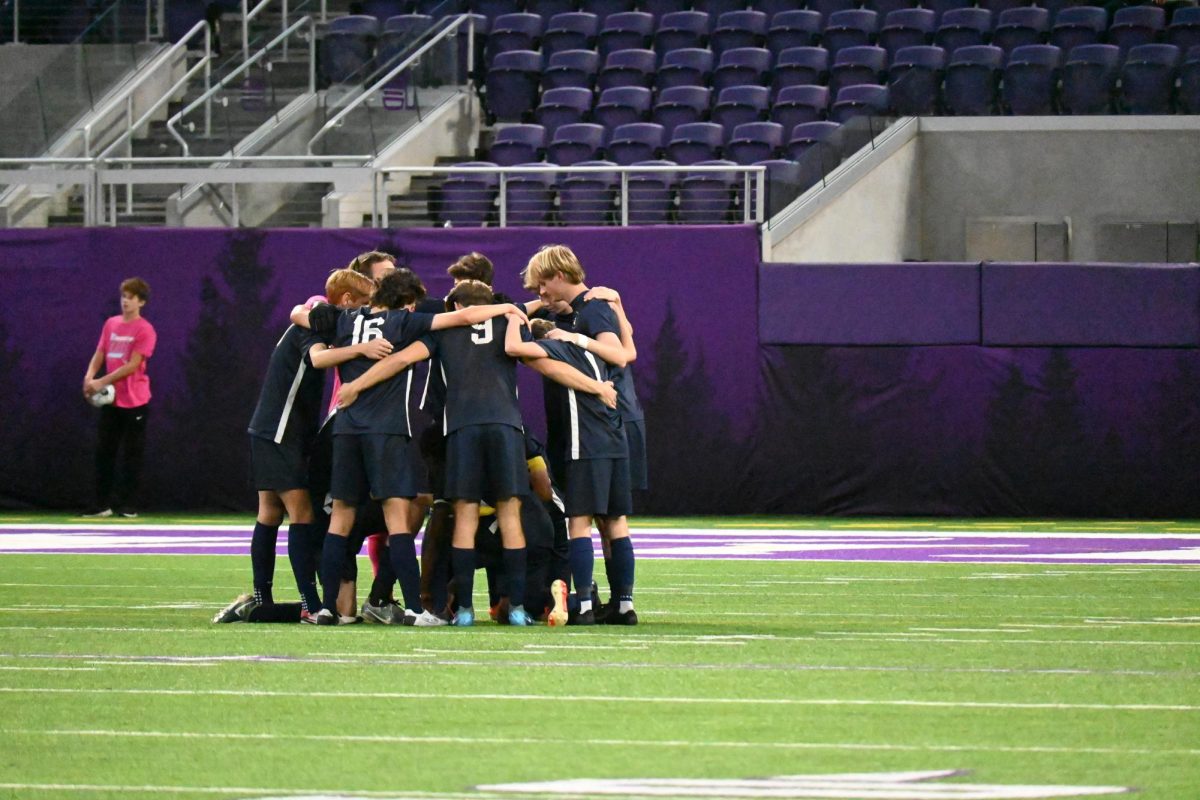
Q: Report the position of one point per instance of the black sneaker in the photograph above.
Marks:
(582, 618)
(617, 617)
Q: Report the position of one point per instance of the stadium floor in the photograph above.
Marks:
(782, 658)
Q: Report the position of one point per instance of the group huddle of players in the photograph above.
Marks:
(489, 494)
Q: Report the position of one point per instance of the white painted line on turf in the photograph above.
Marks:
(620, 699)
(256, 791)
(49, 669)
(671, 743)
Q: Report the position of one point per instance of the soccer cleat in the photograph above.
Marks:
(322, 617)
(351, 620)
(499, 612)
(238, 610)
(582, 618)
(428, 619)
(100, 514)
(384, 614)
(615, 616)
(557, 617)
(465, 618)
(127, 513)
(517, 616)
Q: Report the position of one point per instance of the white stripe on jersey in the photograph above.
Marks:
(574, 413)
(291, 399)
(446, 408)
(558, 500)
(407, 394)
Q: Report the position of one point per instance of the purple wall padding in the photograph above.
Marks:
(1145, 305)
(859, 304)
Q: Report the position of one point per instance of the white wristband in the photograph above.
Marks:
(581, 340)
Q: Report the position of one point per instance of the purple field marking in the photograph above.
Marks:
(659, 543)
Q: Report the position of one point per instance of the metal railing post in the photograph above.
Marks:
(470, 48)
(762, 197)
(283, 27)
(624, 199)
(207, 82)
(503, 199)
(245, 30)
(312, 52)
(16, 21)
(237, 217)
(386, 210)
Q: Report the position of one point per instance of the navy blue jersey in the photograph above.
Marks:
(383, 408)
(480, 378)
(592, 429)
(592, 318)
(289, 404)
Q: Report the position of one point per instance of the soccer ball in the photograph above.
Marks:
(103, 397)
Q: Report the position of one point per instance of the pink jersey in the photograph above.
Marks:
(119, 340)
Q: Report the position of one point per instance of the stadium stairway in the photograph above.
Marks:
(417, 208)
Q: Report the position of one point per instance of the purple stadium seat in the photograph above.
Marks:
(853, 28)
(399, 32)
(383, 9)
(906, 27)
(549, 9)
(963, 27)
(828, 7)
(627, 68)
(628, 30)
(707, 198)
(679, 105)
(695, 141)
(495, 8)
(680, 29)
(737, 105)
(637, 141)
(885, 7)
(860, 100)
(715, 8)
(528, 196)
(517, 144)
(997, 7)
(1089, 79)
(914, 79)
(563, 106)
(738, 29)
(800, 66)
(816, 143)
(512, 84)
(1148, 78)
(794, 28)
(586, 198)
(573, 30)
(1077, 26)
(660, 8)
(651, 194)
(1184, 30)
(576, 68)
(1136, 25)
(857, 65)
(468, 198)
(622, 105)
(1189, 80)
(1031, 79)
(971, 82)
(687, 66)
(755, 141)
(795, 105)
(604, 8)
(515, 32)
(1022, 26)
(741, 66)
(580, 141)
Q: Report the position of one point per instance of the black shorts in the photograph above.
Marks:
(278, 467)
(486, 461)
(375, 465)
(635, 438)
(598, 486)
(433, 453)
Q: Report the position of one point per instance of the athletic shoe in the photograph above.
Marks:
(517, 616)
(385, 614)
(351, 620)
(582, 618)
(127, 513)
(322, 617)
(557, 616)
(428, 619)
(617, 617)
(100, 514)
(499, 612)
(238, 610)
(465, 618)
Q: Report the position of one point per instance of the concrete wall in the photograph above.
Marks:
(1092, 171)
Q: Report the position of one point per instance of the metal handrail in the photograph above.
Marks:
(125, 96)
(249, 14)
(412, 59)
(312, 74)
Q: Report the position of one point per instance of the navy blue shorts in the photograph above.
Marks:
(635, 437)
(374, 465)
(486, 462)
(278, 467)
(598, 486)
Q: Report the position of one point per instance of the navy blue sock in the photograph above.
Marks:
(623, 568)
(579, 553)
(610, 574)
(385, 578)
(262, 560)
(514, 571)
(463, 559)
(333, 557)
(403, 547)
(300, 555)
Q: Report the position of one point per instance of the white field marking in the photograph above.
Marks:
(1185, 554)
(256, 791)
(544, 647)
(623, 699)
(49, 669)
(738, 745)
(110, 663)
(851, 786)
(933, 639)
(971, 630)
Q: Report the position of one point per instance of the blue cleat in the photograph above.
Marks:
(517, 616)
(465, 618)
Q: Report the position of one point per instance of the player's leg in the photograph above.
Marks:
(620, 505)
(133, 449)
(402, 547)
(298, 505)
(348, 485)
(108, 440)
(262, 545)
(466, 521)
(508, 515)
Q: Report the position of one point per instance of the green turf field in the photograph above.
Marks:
(113, 683)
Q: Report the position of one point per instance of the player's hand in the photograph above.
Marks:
(90, 387)
(517, 312)
(608, 395)
(603, 293)
(376, 349)
(347, 394)
(561, 335)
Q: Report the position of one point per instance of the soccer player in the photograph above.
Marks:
(557, 276)
(372, 452)
(597, 482)
(283, 431)
(126, 343)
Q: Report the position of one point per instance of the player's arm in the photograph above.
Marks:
(118, 374)
(568, 376)
(387, 368)
(321, 318)
(539, 478)
(534, 306)
(89, 377)
(613, 298)
(473, 315)
(516, 347)
(606, 345)
(323, 357)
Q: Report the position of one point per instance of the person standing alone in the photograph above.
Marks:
(126, 344)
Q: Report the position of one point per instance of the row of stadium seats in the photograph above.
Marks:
(974, 78)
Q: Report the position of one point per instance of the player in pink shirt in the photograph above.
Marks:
(126, 344)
